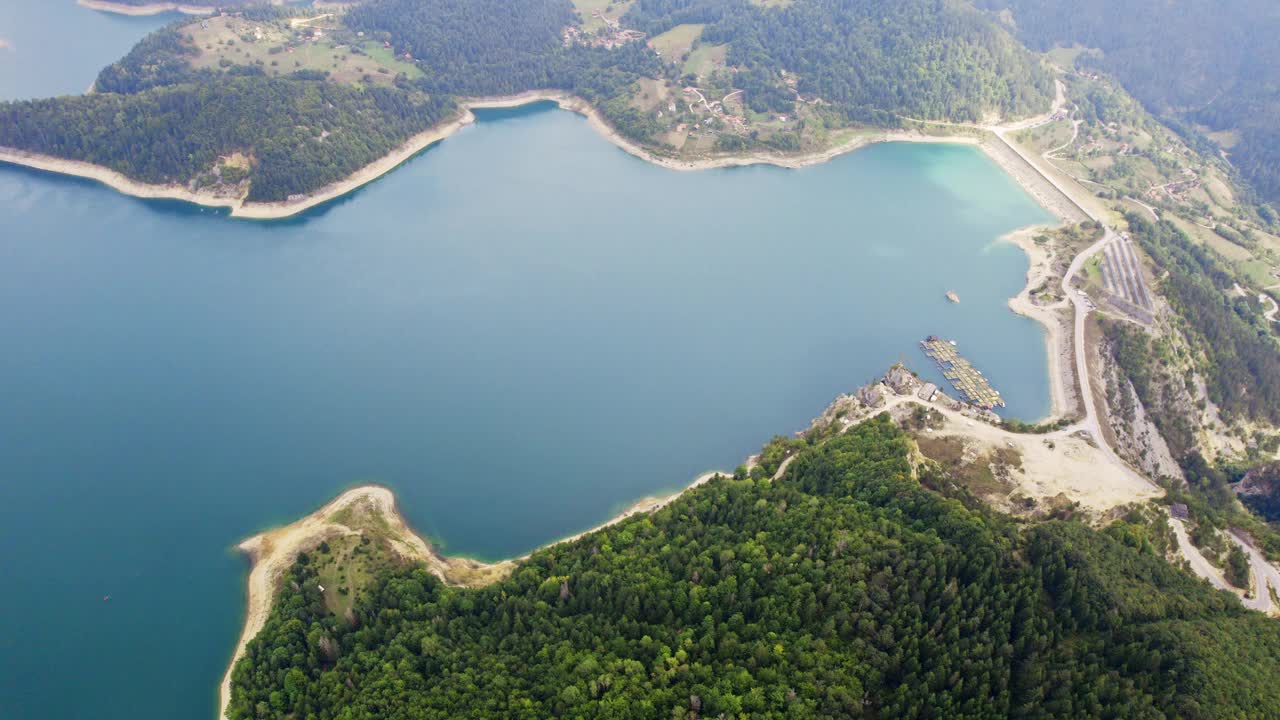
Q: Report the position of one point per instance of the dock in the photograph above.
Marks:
(963, 376)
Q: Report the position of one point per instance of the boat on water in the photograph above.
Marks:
(952, 296)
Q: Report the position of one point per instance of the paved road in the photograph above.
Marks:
(1270, 314)
(1199, 564)
(1264, 574)
(1263, 571)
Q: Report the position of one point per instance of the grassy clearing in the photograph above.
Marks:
(705, 59)
(1259, 272)
(1219, 192)
(1225, 139)
(587, 10)
(1205, 236)
(347, 566)
(280, 49)
(983, 474)
(1048, 136)
(1065, 57)
(1093, 273)
(651, 95)
(674, 43)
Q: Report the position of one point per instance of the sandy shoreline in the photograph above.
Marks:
(113, 179)
(416, 144)
(148, 9)
(273, 552)
(361, 177)
(1062, 402)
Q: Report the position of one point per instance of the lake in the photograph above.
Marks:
(520, 331)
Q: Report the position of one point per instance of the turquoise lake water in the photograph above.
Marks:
(520, 331)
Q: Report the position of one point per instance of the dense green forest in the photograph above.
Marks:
(493, 47)
(301, 135)
(161, 58)
(475, 47)
(1209, 62)
(845, 589)
(878, 59)
(874, 60)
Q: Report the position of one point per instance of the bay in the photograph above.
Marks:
(520, 331)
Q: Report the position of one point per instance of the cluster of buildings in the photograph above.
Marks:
(716, 109)
(611, 36)
(1174, 190)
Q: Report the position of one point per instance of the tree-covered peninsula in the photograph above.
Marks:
(270, 102)
(275, 137)
(843, 588)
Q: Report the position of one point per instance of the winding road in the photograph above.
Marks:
(1266, 299)
(1199, 564)
(1264, 573)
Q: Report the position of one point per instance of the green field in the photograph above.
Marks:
(280, 49)
(705, 58)
(1258, 272)
(609, 8)
(1093, 274)
(677, 41)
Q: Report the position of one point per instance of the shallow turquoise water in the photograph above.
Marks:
(519, 331)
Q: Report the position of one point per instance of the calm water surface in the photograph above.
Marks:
(519, 331)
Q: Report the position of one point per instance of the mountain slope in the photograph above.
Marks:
(1210, 62)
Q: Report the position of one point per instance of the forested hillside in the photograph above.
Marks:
(843, 590)
(878, 59)
(1209, 62)
(310, 96)
(491, 47)
(161, 58)
(297, 135)
(476, 47)
(873, 59)
(1236, 350)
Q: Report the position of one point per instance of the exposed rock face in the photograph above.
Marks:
(1262, 480)
(1136, 434)
(901, 381)
(871, 395)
